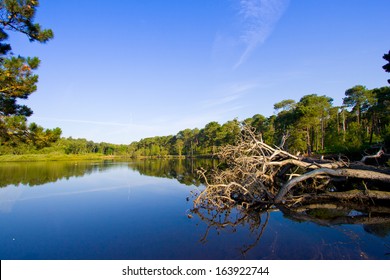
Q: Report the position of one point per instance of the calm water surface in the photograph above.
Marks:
(142, 210)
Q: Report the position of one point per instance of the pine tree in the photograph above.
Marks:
(17, 80)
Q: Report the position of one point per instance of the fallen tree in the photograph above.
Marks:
(329, 173)
(252, 173)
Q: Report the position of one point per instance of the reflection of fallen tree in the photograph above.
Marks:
(233, 219)
(333, 214)
(255, 172)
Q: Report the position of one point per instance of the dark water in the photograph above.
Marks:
(142, 210)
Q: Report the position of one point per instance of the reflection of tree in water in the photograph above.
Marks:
(255, 219)
(183, 170)
(39, 173)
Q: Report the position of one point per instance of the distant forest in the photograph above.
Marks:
(310, 125)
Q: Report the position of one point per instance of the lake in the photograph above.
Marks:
(144, 210)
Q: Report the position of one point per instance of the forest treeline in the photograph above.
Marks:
(310, 125)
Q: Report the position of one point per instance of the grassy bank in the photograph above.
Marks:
(53, 157)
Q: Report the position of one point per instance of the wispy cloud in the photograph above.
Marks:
(221, 101)
(259, 18)
(229, 94)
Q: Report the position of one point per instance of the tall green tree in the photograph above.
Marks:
(41, 137)
(312, 111)
(380, 112)
(285, 105)
(286, 134)
(179, 146)
(17, 80)
(229, 132)
(359, 98)
(188, 137)
(209, 136)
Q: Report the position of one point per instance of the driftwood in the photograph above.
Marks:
(255, 173)
(379, 154)
(342, 172)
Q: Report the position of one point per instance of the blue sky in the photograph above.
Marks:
(118, 71)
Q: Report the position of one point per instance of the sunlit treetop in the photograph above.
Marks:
(18, 16)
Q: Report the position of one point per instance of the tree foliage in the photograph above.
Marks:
(386, 56)
(19, 15)
(17, 80)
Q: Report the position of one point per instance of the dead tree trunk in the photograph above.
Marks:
(377, 155)
(342, 172)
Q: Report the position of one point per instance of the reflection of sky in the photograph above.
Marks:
(8, 196)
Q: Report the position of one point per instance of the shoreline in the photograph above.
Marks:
(52, 157)
(72, 157)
